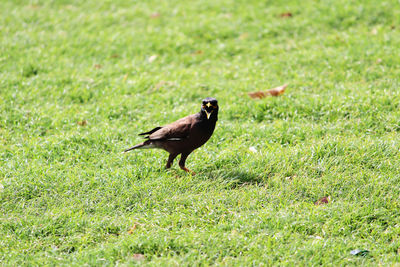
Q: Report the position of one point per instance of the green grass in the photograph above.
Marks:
(69, 197)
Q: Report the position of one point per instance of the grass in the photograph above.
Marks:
(69, 197)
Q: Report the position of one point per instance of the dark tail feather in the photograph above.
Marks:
(145, 144)
(135, 147)
(152, 131)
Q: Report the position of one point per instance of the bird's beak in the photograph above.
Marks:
(208, 114)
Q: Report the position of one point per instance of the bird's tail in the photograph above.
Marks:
(146, 144)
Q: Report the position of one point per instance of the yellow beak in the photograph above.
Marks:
(208, 114)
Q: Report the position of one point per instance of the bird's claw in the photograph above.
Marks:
(188, 171)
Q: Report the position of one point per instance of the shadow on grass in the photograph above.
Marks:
(236, 178)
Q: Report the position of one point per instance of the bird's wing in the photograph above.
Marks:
(175, 131)
(150, 132)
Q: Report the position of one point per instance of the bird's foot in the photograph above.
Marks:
(188, 171)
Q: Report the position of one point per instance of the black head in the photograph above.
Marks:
(209, 108)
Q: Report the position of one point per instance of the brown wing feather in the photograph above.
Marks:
(178, 129)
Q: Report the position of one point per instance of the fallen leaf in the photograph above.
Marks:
(97, 66)
(286, 15)
(322, 201)
(139, 257)
(271, 92)
(82, 123)
(198, 52)
(133, 228)
(155, 15)
(359, 252)
(114, 56)
(152, 58)
(34, 6)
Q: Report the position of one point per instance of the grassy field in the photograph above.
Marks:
(80, 79)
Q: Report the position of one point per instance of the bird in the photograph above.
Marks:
(183, 136)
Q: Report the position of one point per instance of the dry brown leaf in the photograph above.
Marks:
(286, 15)
(82, 123)
(114, 56)
(97, 66)
(322, 201)
(139, 257)
(155, 15)
(34, 6)
(277, 91)
(133, 228)
(198, 52)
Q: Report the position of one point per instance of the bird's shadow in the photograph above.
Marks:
(236, 178)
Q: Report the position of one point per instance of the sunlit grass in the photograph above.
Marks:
(68, 196)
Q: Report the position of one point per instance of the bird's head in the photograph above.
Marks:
(209, 108)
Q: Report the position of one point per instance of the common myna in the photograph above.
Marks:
(184, 135)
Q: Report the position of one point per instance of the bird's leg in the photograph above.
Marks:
(182, 163)
(170, 160)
